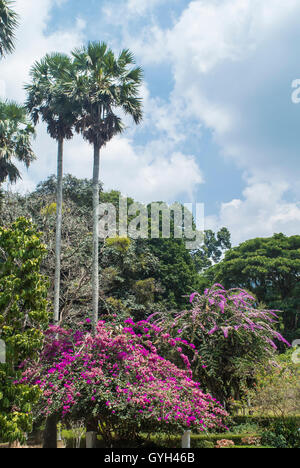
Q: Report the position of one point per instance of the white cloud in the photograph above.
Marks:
(127, 9)
(233, 62)
(260, 213)
(222, 57)
(149, 173)
(33, 42)
(146, 173)
(155, 171)
(141, 6)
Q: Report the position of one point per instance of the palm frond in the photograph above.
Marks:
(16, 133)
(48, 95)
(8, 24)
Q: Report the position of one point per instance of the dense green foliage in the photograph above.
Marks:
(144, 277)
(23, 315)
(282, 434)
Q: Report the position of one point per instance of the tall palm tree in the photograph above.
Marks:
(16, 133)
(105, 84)
(47, 100)
(8, 24)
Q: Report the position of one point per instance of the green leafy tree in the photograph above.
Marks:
(23, 316)
(16, 135)
(160, 269)
(78, 191)
(176, 271)
(104, 84)
(8, 24)
(214, 246)
(270, 268)
(46, 99)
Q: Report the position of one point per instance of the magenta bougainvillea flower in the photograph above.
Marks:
(118, 377)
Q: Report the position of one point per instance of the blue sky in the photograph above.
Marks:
(220, 126)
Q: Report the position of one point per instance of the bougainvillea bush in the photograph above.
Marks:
(117, 378)
(231, 333)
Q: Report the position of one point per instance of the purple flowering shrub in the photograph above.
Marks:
(118, 379)
(231, 335)
(232, 312)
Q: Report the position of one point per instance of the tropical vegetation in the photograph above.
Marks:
(130, 341)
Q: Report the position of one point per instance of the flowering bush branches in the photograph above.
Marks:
(232, 312)
(231, 336)
(117, 377)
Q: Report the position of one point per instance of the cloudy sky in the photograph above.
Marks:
(220, 126)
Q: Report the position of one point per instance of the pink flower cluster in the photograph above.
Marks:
(118, 374)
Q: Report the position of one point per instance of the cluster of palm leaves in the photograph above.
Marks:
(82, 93)
(8, 24)
(15, 140)
(15, 130)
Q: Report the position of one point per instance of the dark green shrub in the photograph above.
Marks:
(264, 421)
(203, 444)
(273, 440)
(283, 433)
(246, 428)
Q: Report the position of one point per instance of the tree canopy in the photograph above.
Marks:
(146, 276)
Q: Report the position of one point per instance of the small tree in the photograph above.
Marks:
(278, 387)
(23, 316)
(231, 335)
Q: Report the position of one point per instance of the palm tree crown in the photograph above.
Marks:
(16, 134)
(8, 23)
(105, 84)
(46, 97)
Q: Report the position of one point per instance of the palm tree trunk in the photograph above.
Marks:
(59, 202)
(95, 273)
